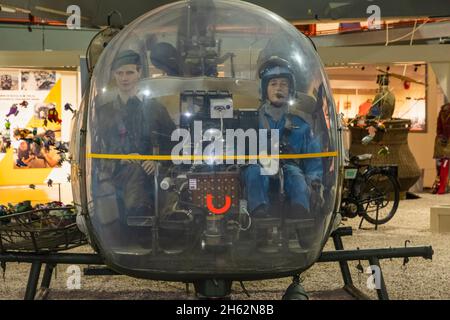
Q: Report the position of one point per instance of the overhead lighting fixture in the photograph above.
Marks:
(10, 9)
(7, 9)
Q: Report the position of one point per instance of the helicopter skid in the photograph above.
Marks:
(340, 255)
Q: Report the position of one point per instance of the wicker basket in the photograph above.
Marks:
(40, 230)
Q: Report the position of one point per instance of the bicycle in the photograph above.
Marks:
(371, 192)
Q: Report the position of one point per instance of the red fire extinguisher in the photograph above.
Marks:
(443, 176)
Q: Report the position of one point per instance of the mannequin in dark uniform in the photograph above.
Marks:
(128, 125)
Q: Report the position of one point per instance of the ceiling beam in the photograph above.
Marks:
(335, 56)
(426, 32)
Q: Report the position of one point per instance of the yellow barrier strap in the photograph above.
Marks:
(205, 157)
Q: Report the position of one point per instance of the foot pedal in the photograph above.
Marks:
(300, 223)
(265, 223)
(140, 221)
(268, 249)
(175, 224)
(295, 247)
(131, 251)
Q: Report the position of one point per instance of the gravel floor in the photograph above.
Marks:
(421, 279)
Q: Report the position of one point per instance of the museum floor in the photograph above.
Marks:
(421, 279)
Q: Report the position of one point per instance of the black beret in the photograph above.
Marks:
(126, 57)
(164, 56)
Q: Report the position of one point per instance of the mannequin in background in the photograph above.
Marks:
(442, 149)
(384, 102)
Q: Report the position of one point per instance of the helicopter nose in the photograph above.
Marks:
(228, 194)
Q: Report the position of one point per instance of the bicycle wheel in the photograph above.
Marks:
(380, 197)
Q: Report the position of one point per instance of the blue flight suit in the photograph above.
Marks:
(298, 173)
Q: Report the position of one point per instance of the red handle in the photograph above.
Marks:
(213, 209)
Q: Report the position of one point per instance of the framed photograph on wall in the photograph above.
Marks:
(355, 86)
(9, 80)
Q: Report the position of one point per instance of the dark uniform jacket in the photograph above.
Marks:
(135, 127)
(139, 126)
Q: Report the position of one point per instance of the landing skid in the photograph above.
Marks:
(51, 260)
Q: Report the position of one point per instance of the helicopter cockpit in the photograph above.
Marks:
(211, 145)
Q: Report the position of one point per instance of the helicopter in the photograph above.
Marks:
(192, 218)
(175, 174)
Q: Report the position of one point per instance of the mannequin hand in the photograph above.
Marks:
(149, 166)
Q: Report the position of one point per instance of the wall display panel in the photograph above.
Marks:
(35, 125)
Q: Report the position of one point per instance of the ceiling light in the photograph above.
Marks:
(7, 9)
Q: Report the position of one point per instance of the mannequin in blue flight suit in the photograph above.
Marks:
(300, 175)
